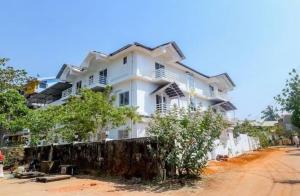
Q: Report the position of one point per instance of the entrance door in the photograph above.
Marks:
(161, 103)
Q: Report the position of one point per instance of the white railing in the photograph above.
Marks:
(163, 74)
(162, 108)
(66, 92)
(102, 80)
(218, 94)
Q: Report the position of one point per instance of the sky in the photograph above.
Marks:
(256, 42)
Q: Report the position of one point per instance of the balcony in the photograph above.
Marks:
(163, 75)
(162, 108)
(98, 84)
(219, 95)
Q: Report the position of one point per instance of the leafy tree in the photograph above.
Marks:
(185, 137)
(289, 99)
(11, 78)
(12, 110)
(42, 124)
(270, 114)
(93, 112)
(262, 133)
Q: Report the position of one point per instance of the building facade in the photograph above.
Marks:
(152, 79)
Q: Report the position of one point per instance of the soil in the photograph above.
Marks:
(275, 171)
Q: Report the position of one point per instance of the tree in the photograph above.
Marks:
(289, 99)
(262, 133)
(11, 78)
(42, 124)
(93, 112)
(12, 110)
(185, 137)
(270, 113)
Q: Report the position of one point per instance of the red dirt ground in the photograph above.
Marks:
(269, 172)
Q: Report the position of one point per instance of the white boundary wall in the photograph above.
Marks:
(228, 145)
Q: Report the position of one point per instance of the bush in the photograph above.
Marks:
(185, 138)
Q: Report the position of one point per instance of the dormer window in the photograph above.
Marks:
(125, 60)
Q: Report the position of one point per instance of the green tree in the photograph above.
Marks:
(11, 78)
(43, 123)
(93, 112)
(185, 137)
(262, 133)
(270, 113)
(12, 110)
(289, 99)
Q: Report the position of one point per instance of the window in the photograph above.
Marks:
(193, 104)
(124, 98)
(211, 89)
(190, 81)
(91, 79)
(123, 134)
(43, 84)
(159, 70)
(78, 86)
(125, 60)
(103, 76)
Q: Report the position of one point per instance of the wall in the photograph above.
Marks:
(126, 158)
(228, 145)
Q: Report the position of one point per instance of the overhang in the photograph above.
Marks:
(53, 92)
(226, 105)
(171, 89)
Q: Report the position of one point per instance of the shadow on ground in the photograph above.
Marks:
(147, 186)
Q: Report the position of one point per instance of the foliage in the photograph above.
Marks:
(289, 99)
(42, 123)
(86, 113)
(11, 78)
(12, 110)
(270, 113)
(185, 137)
(262, 133)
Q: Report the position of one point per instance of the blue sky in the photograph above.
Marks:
(257, 42)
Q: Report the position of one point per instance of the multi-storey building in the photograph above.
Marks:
(153, 79)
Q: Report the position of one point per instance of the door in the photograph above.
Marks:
(161, 103)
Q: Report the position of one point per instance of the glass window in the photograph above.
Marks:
(125, 60)
(190, 81)
(211, 89)
(78, 86)
(91, 79)
(103, 76)
(124, 98)
(193, 104)
(43, 84)
(123, 134)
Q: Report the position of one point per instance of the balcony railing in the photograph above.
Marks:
(103, 80)
(162, 108)
(66, 92)
(163, 74)
(221, 95)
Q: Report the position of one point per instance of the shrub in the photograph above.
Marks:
(185, 138)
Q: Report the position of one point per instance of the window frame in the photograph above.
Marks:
(125, 60)
(91, 79)
(78, 86)
(123, 101)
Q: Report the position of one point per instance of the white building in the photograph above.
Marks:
(153, 79)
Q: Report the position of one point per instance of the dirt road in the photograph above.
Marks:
(270, 172)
